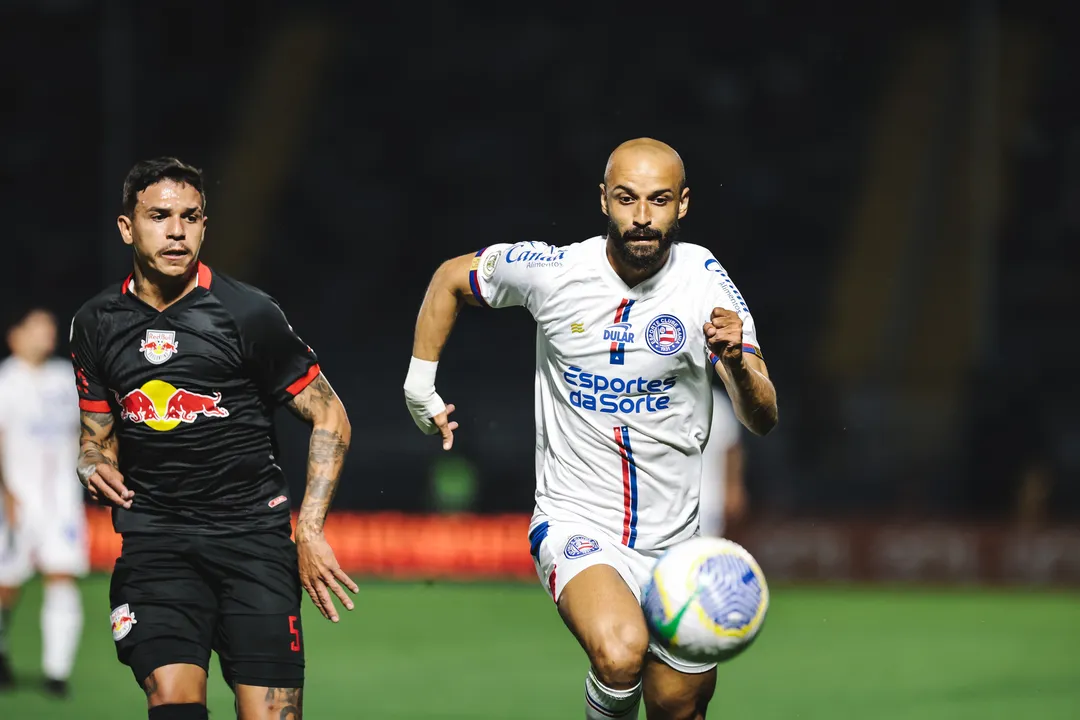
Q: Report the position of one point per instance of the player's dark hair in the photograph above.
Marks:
(147, 172)
(18, 314)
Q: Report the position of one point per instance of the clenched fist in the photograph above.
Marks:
(723, 334)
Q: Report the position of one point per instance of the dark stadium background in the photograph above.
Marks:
(894, 186)
(834, 150)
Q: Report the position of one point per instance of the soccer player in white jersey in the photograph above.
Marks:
(44, 523)
(630, 326)
(723, 488)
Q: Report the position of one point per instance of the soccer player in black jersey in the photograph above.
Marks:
(179, 370)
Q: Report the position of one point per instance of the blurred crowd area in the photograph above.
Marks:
(895, 187)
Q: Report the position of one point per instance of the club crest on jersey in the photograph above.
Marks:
(580, 546)
(665, 335)
(159, 345)
(122, 620)
(620, 332)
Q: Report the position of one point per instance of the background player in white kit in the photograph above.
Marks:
(623, 406)
(44, 527)
(723, 486)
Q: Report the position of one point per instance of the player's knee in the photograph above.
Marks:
(620, 656)
(182, 711)
(673, 703)
(175, 686)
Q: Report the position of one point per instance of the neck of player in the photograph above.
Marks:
(632, 275)
(159, 290)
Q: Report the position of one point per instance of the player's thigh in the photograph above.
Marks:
(163, 610)
(269, 703)
(62, 549)
(592, 585)
(260, 632)
(16, 554)
(674, 695)
(175, 684)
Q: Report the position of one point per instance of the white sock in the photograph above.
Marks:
(61, 626)
(603, 703)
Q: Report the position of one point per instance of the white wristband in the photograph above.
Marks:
(420, 396)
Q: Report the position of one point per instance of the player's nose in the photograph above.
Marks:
(642, 216)
(174, 228)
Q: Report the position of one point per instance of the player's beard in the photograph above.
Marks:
(639, 257)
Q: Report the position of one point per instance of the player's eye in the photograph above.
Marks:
(626, 199)
(661, 201)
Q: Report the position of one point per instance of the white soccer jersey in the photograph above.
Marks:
(623, 396)
(39, 422)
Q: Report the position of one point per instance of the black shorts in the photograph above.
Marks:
(176, 597)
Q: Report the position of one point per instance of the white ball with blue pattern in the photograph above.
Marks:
(706, 600)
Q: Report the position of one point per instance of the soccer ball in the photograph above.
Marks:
(706, 601)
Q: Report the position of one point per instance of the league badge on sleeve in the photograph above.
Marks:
(580, 546)
(490, 264)
(665, 335)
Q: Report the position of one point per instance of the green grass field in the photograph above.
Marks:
(425, 652)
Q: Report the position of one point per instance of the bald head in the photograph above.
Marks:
(645, 157)
(644, 195)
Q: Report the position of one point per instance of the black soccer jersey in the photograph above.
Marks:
(192, 389)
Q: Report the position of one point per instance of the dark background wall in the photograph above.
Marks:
(895, 187)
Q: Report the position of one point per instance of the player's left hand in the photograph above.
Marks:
(320, 573)
(723, 334)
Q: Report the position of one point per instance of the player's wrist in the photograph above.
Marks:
(420, 380)
(85, 470)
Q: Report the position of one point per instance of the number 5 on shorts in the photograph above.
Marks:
(295, 646)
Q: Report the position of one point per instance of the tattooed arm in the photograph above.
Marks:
(97, 467)
(319, 405)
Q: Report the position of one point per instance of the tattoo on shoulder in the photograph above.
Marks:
(318, 394)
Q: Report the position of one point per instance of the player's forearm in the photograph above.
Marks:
(753, 397)
(97, 442)
(326, 456)
(444, 298)
(331, 434)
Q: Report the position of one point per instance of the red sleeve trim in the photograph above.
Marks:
(94, 405)
(300, 384)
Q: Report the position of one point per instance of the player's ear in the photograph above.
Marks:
(603, 198)
(684, 202)
(124, 224)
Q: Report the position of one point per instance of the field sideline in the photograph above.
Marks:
(487, 651)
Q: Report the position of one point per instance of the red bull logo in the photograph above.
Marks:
(122, 619)
(161, 406)
(159, 345)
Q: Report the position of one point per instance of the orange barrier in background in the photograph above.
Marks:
(394, 544)
(400, 545)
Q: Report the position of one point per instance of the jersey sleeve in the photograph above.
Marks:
(282, 363)
(86, 359)
(723, 293)
(506, 275)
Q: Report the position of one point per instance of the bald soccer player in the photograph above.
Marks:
(623, 409)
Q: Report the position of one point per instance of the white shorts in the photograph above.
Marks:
(47, 540)
(561, 550)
